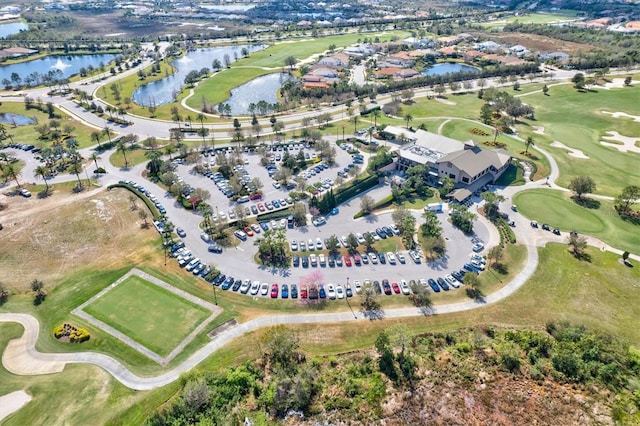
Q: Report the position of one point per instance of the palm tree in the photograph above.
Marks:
(370, 133)
(154, 161)
(527, 144)
(170, 149)
(94, 157)
(11, 170)
(355, 120)
(76, 169)
(95, 137)
(42, 171)
(408, 117)
(122, 147)
(107, 131)
(200, 117)
(376, 114)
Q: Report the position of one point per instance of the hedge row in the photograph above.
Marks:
(152, 207)
(280, 214)
(506, 233)
(358, 186)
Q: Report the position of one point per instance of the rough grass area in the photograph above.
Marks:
(149, 314)
(562, 212)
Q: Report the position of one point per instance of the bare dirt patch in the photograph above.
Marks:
(45, 238)
(541, 43)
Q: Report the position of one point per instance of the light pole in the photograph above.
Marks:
(349, 304)
(215, 297)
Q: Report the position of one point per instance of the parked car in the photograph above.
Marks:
(443, 284)
(181, 232)
(433, 285)
(274, 291)
(331, 291)
(386, 287)
(294, 291)
(404, 287)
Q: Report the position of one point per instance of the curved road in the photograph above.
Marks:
(21, 357)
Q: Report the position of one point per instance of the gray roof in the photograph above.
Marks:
(427, 146)
(473, 161)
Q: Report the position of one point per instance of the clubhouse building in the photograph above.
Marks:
(470, 166)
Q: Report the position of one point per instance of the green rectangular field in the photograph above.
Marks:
(150, 315)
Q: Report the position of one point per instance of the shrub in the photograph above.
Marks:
(58, 331)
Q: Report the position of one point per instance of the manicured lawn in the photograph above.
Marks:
(512, 176)
(536, 18)
(558, 210)
(577, 120)
(150, 315)
(134, 157)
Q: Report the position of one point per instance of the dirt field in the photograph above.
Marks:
(540, 43)
(45, 238)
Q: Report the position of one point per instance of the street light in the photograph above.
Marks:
(215, 297)
(349, 304)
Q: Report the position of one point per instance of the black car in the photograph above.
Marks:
(227, 283)
(546, 227)
(305, 261)
(296, 260)
(332, 262)
(381, 233)
(382, 258)
(294, 291)
(214, 248)
(442, 283)
(348, 291)
(434, 285)
(236, 285)
(219, 279)
(377, 287)
(387, 231)
(556, 231)
(458, 276)
(254, 209)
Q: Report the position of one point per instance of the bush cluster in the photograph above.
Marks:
(73, 333)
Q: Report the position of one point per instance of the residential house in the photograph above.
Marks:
(400, 59)
(519, 50)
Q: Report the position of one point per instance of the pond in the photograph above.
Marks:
(13, 28)
(164, 91)
(449, 68)
(15, 119)
(263, 88)
(64, 66)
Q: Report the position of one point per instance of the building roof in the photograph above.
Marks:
(474, 161)
(459, 194)
(427, 146)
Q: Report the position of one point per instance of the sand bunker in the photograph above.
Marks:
(12, 402)
(444, 101)
(615, 83)
(619, 114)
(626, 143)
(539, 130)
(572, 152)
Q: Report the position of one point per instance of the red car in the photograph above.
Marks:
(396, 288)
(248, 231)
(261, 207)
(303, 292)
(274, 291)
(255, 196)
(347, 260)
(356, 259)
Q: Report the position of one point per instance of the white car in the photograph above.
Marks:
(322, 260)
(319, 221)
(357, 286)
(264, 289)
(294, 245)
(478, 264)
(339, 291)
(276, 185)
(313, 260)
(343, 241)
(331, 291)
(255, 287)
(373, 258)
(311, 245)
(452, 281)
(401, 258)
(360, 238)
(319, 244)
(479, 258)
(244, 288)
(404, 287)
(391, 258)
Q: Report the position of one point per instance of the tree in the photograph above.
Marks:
(122, 148)
(370, 305)
(627, 81)
(290, 61)
(386, 362)
(545, 90)
(578, 81)
(431, 226)
(333, 245)
(577, 245)
(367, 203)
(42, 172)
(37, 288)
(527, 144)
(491, 203)
(420, 297)
(582, 185)
(462, 218)
(144, 215)
(281, 348)
(407, 118)
(495, 255)
(299, 214)
(352, 241)
(472, 284)
(4, 295)
(629, 196)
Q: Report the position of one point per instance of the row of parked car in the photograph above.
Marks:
(145, 192)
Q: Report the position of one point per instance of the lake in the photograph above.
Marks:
(161, 92)
(12, 28)
(18, 120)
(449, 68)
(68, 65)
(263, 88)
